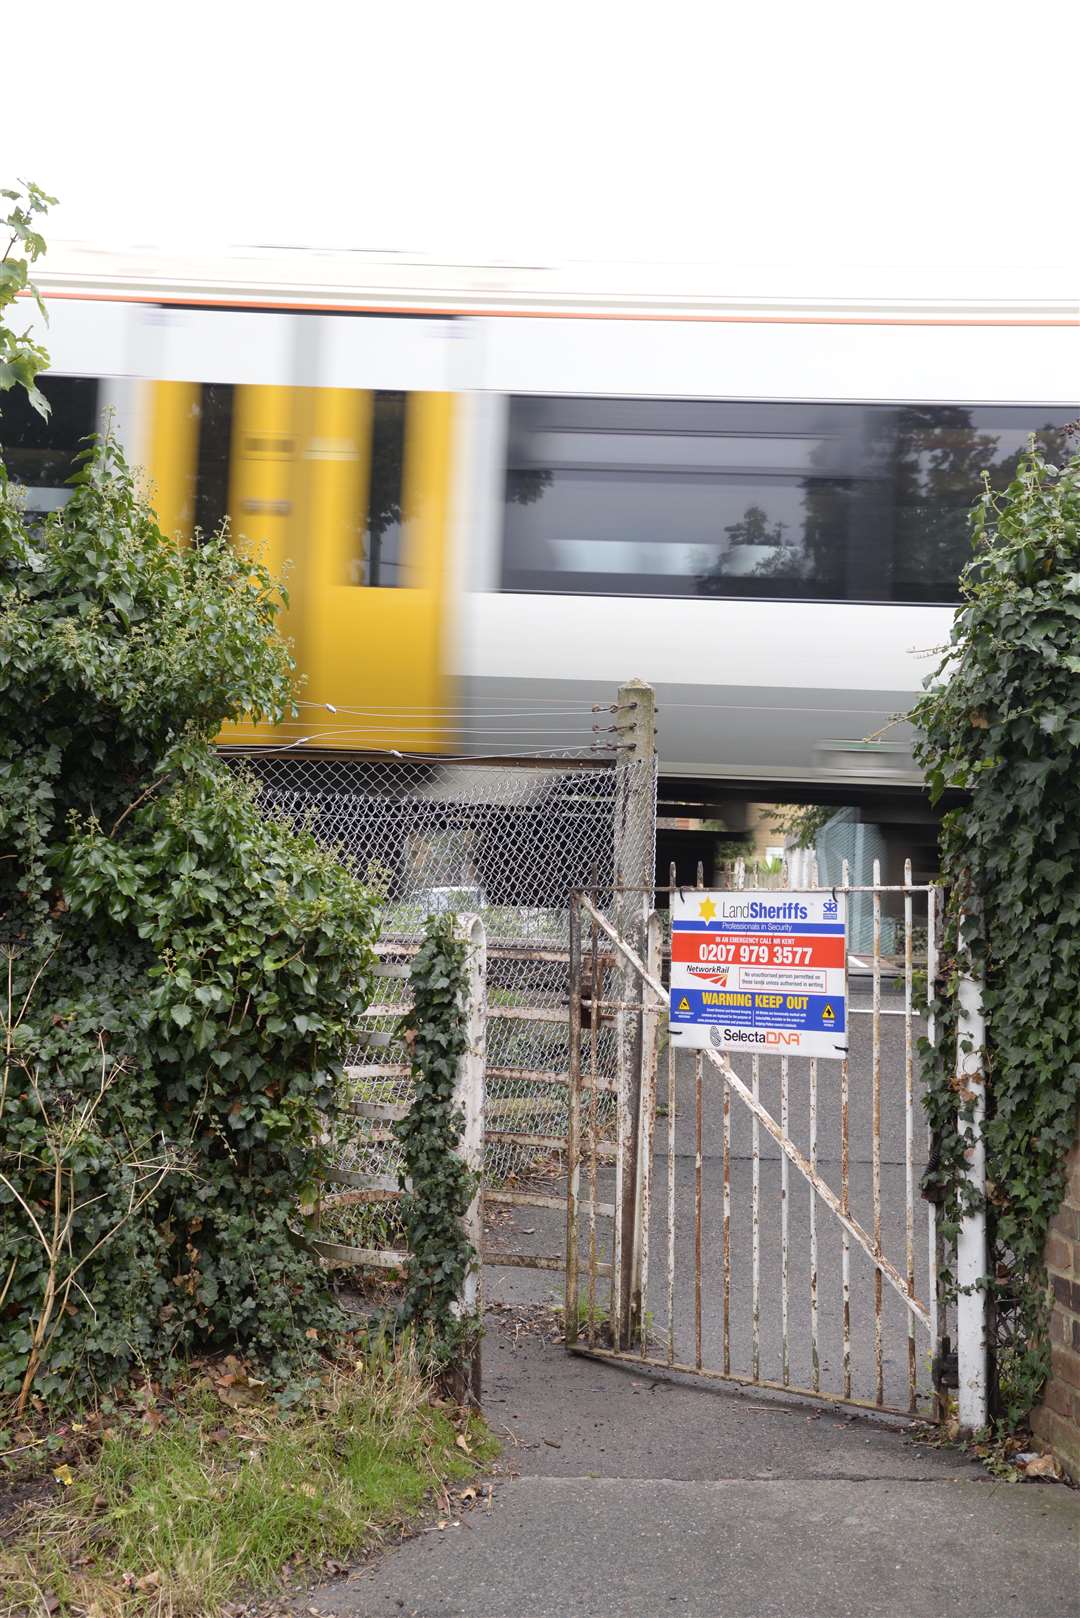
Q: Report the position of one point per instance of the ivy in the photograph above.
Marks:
(178, 971)
(438, 1186)
(1001, 720)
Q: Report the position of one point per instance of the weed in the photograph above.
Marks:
(227, 1497)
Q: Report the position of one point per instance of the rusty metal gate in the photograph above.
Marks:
(755, 1219)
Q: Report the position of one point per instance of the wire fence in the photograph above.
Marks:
(508, 841)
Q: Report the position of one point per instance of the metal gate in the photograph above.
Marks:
(755, 1219)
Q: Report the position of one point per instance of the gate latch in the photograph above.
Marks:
(944, 1368)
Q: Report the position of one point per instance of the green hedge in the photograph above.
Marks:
(179, 971)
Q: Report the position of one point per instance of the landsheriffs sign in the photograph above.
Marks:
(760, 971)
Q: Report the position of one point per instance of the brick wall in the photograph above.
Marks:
(1057, 1419)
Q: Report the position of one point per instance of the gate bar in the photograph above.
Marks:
(727, 1229)
(815, 1358)
(755, 1221)
(650, 1044)
(845, 1239)
(596, 988)
(879, 1362)
(931, 1034)
(909, 1140)
(682, 888)
(633, 1358)
(698, 1131)
(671, 1201)
(784, 1233)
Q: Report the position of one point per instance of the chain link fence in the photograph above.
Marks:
(508, 841)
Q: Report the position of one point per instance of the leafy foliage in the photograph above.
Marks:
(20, 357)
(433, 1210)
(799, 824)
(1006, 726)
(180, 970)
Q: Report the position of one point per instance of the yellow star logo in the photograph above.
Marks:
(707, 910)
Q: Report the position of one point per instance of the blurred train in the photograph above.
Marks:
(499, 492)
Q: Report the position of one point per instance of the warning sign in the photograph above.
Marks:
(762, 971)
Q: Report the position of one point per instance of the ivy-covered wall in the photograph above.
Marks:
(1004, 726)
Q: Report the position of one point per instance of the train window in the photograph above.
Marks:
(799, 501)
(214, 455)
(40, 453)
(383, 546)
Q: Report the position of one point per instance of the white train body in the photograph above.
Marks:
(616, 403)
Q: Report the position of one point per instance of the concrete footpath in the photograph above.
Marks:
(623, 1495)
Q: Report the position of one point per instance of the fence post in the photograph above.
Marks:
(573, 1127)
(935, 930)
(971, 1256)
(634, 873)
(469, 1097)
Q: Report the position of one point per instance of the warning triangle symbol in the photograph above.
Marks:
(828, 1015)
(684, 1004)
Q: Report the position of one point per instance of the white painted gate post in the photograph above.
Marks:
(469, 1097)
(971, 1251)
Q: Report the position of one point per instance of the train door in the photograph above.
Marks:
(343, 492)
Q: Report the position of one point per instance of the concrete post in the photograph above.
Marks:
(634, 872)
(971, 1256)
(469, 1098)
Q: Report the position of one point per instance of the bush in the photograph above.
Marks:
(180, 971)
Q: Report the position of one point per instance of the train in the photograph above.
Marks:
(496, 492)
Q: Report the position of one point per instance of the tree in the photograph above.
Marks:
(753, 529)
(21, 359)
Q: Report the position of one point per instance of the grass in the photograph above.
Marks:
(600, 1319)
(230, 1494)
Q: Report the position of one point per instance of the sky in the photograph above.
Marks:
(909, 147)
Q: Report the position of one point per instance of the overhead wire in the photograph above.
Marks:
(463, 724)
(433, 730)
(575, 754)
(488, 711)
(306, 724)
